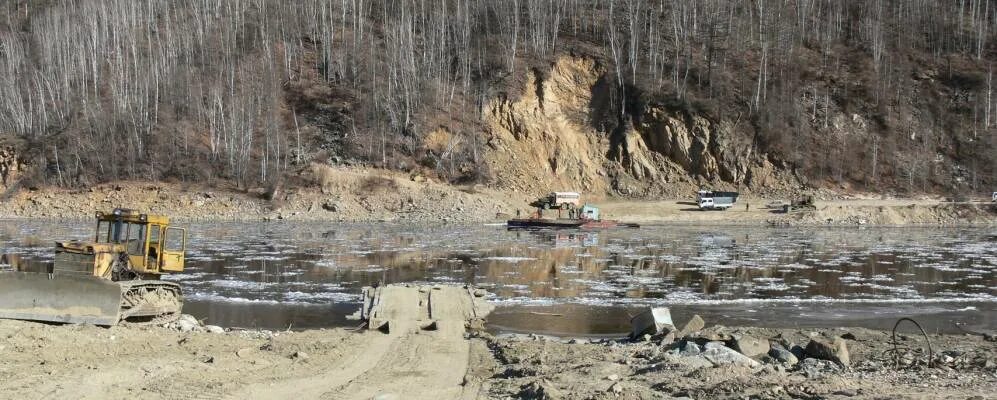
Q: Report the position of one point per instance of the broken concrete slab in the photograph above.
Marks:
(722, 355)
(695, 323)
(749, 345)
(714, 345)
(653, 321)
(824, 349)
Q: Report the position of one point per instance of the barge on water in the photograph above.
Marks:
(586, 218)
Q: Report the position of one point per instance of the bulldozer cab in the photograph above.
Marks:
(152, 245)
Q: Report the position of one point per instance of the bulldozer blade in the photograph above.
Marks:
(59, 298)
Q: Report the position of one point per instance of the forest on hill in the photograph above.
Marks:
(878, 95)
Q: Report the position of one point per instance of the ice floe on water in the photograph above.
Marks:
(302, 263)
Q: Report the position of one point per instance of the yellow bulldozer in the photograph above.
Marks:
(111, 279)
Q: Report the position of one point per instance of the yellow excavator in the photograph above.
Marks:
(111, 279)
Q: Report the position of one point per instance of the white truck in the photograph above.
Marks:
(715, 200)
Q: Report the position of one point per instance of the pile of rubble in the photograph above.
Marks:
(718, 346)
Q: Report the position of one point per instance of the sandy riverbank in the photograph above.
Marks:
(753, 211)
(363, 195)
(85, 362)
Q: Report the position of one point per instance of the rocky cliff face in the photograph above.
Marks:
(10, 167)
(545, 139)
(541, 140)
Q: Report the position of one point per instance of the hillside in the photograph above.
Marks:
(630, 98)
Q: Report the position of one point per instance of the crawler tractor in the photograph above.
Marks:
(111, 279)
(804, 204)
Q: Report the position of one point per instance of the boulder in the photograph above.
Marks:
(711, 334)
(653, 321)
(187, 323)
(749, 345)
(797, 351)
(695, 324)
(214, 329)
(782, 355)
(689, 349)
(836, 350)
(721, 355)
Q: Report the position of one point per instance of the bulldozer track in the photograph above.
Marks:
(150, 302)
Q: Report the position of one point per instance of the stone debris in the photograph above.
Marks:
(836, 350)
(690, 367)
(689, 348)
(721, 355)
(541, 389)
(782, 355)
(815, 368)
(716, 333)
(749, 345)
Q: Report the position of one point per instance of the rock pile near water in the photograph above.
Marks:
(720, 346)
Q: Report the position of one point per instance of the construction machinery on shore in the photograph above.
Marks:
(806, 203)
(579, 215)
(113, 278)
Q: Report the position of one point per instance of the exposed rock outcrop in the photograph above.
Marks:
(540, 140)
(10, 167)
(546, 138)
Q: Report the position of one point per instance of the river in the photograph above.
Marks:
(287, 275)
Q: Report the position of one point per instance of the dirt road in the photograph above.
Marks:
(415, 349)
(423, 355)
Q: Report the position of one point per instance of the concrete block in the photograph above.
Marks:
(653, 321)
